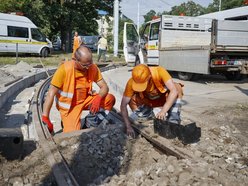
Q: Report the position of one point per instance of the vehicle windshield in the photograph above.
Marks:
(37, 35)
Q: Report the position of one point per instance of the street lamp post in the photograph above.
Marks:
(138, 15)
(116, 27)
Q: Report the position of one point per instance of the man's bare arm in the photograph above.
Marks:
(170, 100)
(103, 88)
(49, 100)
(124, 112)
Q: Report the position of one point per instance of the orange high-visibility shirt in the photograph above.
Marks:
(82, 86)
(151, 90)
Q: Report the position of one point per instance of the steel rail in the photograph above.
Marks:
(57, 162)
(60, 169)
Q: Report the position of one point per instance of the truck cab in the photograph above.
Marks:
(142, 48)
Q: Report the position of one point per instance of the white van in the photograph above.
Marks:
(20, 32)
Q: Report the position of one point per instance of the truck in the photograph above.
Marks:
(20, 34)
(190, 46)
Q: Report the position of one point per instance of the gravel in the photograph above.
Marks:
(106, 156)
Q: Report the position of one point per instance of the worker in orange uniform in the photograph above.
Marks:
(151, 87)
(76, 43)
(71, 85)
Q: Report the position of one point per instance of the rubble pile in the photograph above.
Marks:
(109, 158)
(205, 169)
(95, 155)
(220, 158)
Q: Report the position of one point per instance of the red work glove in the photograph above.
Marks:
(95, 106)
(46, 121)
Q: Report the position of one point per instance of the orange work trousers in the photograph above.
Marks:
(137, 100)
(75, 46)
(71, 121)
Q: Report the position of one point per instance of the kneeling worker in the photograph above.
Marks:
(72, 86)
(151, 87)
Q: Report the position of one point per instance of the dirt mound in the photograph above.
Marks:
(6, 77)
(19, 69)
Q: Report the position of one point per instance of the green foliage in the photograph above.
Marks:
(110, 36)
(54, 60)
(192, 9)
(7, 6)
(188, 9)
(149, 15)
(60, 17)
(121, 26)
(225, 5)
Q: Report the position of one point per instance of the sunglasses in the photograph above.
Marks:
(87, 65)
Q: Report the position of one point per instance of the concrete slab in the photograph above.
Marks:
(11, 146)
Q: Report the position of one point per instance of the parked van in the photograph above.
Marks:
(18, 33)
(90, 42)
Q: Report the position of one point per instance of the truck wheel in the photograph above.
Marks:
(44, 52)
(233, 76)
(186, 76)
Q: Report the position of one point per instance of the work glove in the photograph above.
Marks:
(95, 106)
(46, 121)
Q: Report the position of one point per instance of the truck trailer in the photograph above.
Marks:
(190, 46)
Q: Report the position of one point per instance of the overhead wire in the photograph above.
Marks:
(163, 1)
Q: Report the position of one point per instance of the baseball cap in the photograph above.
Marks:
(140, 75)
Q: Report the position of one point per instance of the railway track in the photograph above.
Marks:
(49, 161)
(60, 168)
(56, 161)
(61, 171)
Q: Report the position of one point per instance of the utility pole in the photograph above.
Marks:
(219, 5)
(138, 15)
(116, 27)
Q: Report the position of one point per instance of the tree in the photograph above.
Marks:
(188, 9)
(8, 6)
(225, 5)
(78, 16)
(61, 16)
(110, 37)
(149, 15)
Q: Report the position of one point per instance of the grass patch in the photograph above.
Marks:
(54, 59)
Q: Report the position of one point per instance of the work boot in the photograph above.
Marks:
(174, 113)
(174, 117)
(143, 113)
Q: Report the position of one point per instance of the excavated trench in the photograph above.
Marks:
(106, 156)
